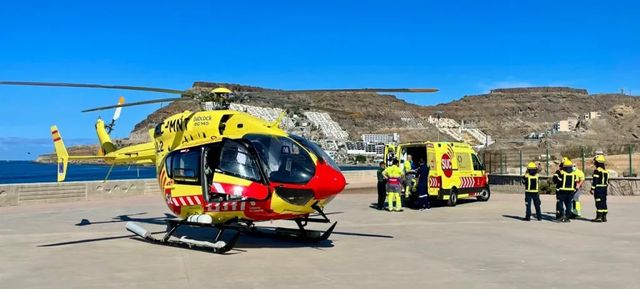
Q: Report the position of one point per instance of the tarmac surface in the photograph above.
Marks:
(472, 245)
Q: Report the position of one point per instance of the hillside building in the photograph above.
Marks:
(381, 138)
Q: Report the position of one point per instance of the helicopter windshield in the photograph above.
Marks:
(317, 150)
(285, 160)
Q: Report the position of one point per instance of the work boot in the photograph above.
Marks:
(539, 218)
(526, 219)
(604, 217)
(598, 218)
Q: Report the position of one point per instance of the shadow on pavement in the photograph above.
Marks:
(129, 218)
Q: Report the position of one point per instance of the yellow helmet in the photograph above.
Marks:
(532, 165)
(599, 159)
(221, 90)
(567, 163)
(564, 159)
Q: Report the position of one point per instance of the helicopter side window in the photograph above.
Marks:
(185, 166)
(236, 160)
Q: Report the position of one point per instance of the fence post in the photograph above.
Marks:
(520, 162)
(501, 168)
(505, 163)
(582, 153)
(630, 160)
(547, 161)
(490, 163)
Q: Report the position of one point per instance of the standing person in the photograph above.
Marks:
(393, 175)
(382, 192)
(567, 186)
(576, 207)
(599, 186)
(423, 185)
(531, 191)
(409, 176)
(557, 181)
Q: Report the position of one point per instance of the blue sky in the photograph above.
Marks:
(460, 47)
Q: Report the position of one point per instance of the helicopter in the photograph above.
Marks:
(221, 168)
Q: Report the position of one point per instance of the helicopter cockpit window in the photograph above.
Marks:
(317, 150)
(185, 166)
(285, 160)
(236, 160)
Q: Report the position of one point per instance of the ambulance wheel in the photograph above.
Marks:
(484, 195)
(453, 198)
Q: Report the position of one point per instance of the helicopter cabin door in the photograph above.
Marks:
(232, 173)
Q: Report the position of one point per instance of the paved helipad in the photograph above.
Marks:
(473, 245)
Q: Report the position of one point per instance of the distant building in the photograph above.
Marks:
(566, 125)
(592, 115)
(380, 138)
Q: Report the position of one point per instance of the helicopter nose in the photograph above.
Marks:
(330, 181)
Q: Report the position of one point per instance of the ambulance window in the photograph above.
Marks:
(477, 164)
(185, 166)
(431, 160)
(464, 162)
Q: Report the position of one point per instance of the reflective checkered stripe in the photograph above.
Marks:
(472, 182)
(187, 201)
(435, 182)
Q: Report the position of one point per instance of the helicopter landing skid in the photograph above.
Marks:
(217, 246)
(301, 234)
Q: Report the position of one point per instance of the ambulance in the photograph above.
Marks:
(455, 171)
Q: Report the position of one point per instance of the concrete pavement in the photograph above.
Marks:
(473, 245)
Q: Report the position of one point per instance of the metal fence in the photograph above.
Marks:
(624, 160)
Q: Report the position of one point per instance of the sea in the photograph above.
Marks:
(14, 172)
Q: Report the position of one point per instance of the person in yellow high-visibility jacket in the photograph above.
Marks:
(393, 174)
(409, 176)
(576, 207)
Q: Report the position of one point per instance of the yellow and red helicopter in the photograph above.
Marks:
(223, 168)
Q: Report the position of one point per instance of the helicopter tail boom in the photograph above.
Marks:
(61, 153)
(103, 137)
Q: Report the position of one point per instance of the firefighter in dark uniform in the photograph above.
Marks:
(565, 182)
(557, 183)
(599, 185)
(382, 190)
(531, 191)
(423, 185)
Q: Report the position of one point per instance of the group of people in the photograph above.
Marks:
(395, 181)
(568, 180)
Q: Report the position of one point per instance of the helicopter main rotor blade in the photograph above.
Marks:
(89, 85)
(410, 90)
(136, 103)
